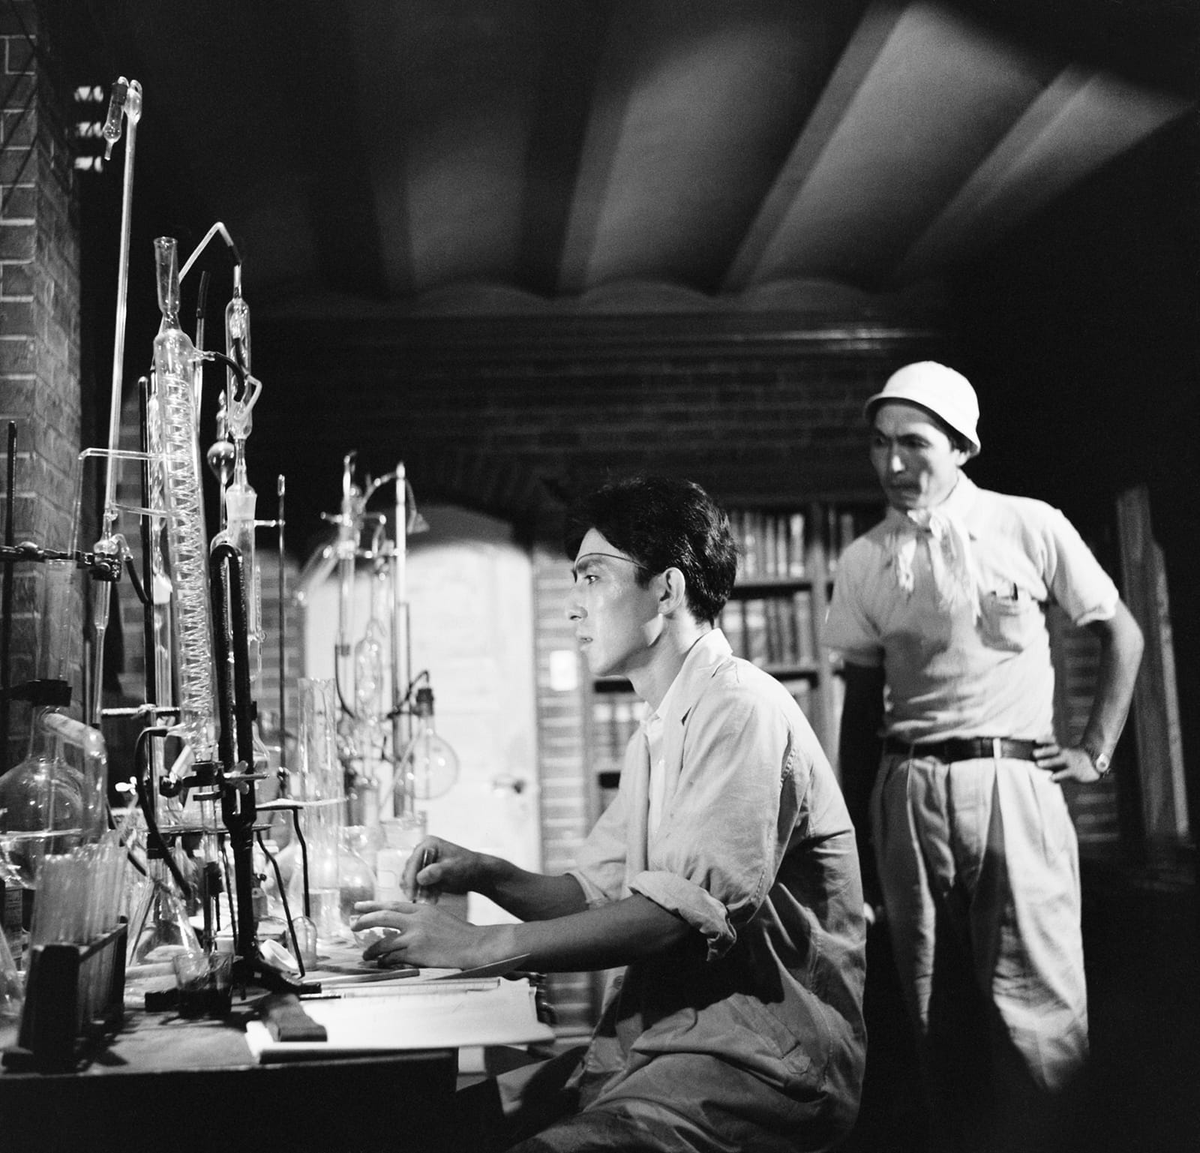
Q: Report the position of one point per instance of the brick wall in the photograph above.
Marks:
(506, 412)
(39, 325)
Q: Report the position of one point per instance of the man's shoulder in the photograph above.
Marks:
(735, 677)
(1027, 511)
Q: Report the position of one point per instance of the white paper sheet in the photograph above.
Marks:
(409, 1015)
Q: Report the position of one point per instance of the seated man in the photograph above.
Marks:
(723, 876)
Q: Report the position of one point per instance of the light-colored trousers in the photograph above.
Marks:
(979, 866)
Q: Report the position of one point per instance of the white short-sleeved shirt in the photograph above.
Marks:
(948, 672)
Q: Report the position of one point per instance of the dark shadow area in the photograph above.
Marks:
(1141, 946)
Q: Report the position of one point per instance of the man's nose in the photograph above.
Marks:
(573, 608)
(894, 460)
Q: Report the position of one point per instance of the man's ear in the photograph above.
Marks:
(672, 592)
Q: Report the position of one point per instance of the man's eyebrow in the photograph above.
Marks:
(590, 560)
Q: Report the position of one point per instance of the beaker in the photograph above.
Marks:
(322, 800)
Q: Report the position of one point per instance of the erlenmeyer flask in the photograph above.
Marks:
(163, 928)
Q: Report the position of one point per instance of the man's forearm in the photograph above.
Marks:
(530, 896)
(859, 743)
(598, 938)
(1121, 647)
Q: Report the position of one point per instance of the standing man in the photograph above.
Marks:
(939, 614)
(723, 876)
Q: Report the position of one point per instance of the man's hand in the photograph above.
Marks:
(422, 935)
(1065, 764)
(438, 866)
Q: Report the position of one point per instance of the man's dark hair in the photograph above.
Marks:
(663, 523)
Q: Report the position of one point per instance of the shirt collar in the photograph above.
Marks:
(697, 667)
(957, 506)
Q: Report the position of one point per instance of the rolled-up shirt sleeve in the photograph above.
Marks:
(731, 812)
(600, 862)
(1080, 584)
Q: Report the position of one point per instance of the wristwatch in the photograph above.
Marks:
(1101, 762)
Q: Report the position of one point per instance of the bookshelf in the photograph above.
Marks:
(774, 618)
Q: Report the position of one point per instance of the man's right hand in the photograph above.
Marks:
(438, 866)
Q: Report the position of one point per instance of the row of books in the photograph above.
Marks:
(776, 545)
(771, 545)
(772, 631)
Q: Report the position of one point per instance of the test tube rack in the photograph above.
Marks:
(74, 999)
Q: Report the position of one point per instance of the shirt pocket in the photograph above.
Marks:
(1009, 623)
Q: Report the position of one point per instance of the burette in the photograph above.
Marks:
(125, 104)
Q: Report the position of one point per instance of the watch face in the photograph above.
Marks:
(1102, 762)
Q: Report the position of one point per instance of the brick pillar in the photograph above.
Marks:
(39, 327)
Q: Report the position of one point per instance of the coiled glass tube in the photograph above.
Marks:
(174, 360)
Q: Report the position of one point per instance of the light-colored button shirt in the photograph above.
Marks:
(658, 774)
(950, 672)
(754, 850)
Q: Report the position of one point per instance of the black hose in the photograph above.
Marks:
(140, 761)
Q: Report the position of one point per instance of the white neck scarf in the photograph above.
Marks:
(950, 559)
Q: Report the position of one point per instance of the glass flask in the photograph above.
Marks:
(12, 986)
(369, 733)
(433, 763)
(356, 878)
(16, 906)
(371, 656)
(162, 928)
(338, 878)
(42, 798)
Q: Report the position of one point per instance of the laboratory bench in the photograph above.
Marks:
(164, 1082)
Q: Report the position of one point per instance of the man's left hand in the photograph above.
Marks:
(1072, 764)
(418, 934)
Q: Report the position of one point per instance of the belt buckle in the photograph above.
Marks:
(997, 747)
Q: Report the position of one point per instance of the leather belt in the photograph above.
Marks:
(963, 748)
